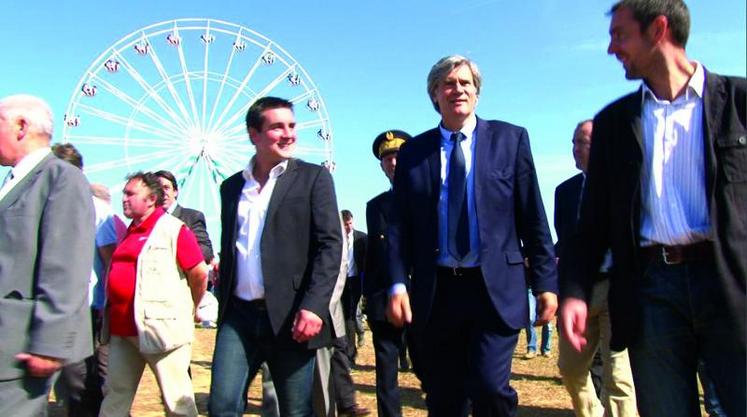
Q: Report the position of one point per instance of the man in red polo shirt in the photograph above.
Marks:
(157, 277)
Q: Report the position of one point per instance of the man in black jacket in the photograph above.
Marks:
(387, 339)
(666, 192)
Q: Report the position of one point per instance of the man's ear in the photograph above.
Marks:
(658, 30)
(22, 126)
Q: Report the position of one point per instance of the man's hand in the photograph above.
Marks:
(398, 311)
(306, 325)
(573, 314)
(547, 305)
(39, 366)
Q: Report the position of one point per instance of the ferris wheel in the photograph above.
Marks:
(174, 95)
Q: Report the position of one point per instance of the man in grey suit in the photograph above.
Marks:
(46, 256)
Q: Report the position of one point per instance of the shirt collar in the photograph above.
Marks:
(149, 221)
(172, 208)
(695, 86)
(28, 162)
(469, 127)
(275, 172)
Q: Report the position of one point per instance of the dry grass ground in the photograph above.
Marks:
(541, 393)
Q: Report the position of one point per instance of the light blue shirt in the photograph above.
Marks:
(674, 208)
(445, 257)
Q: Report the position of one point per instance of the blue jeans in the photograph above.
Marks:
(532, 333)
(683, 318)
(245, 339)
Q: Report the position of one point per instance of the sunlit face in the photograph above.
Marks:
(169, 193)
(9, 144)
(456, 96)
(276, 141)
(137, 200)
(388, 164)
(582, 145)
(348, 226)
(631, 47)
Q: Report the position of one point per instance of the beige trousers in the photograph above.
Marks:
(126, 365)
(618, 393)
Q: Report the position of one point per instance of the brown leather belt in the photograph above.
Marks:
(677, 254)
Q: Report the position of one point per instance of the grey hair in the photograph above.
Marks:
(34, 110)
(443, 67)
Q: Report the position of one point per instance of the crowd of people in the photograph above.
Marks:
(647, 275)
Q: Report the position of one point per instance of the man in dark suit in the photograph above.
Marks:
(46, 257)
(618, 399)
(281, 247)
(466, 200)
(194, 219)
(666, 191)
(387, 339)
(351, 295)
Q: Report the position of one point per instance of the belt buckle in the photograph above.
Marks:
(665, 257)
(455, 271)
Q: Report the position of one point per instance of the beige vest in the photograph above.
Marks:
(164, 309)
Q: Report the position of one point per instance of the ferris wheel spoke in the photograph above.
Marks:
(116, 92)
(242, 111)
(119, 141)
(124, 121)
(205, 66)
(170, 86)
(241, 88)
(188, 85)
(223, 81)
(303, 96)
(124, 162)
(135, 74)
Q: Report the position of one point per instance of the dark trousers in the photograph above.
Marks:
(466, 351)
(351, 296)
(343, 388)
(683, 318)
(387, 341)
(81, 383)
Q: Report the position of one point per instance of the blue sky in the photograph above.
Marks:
(544, 63)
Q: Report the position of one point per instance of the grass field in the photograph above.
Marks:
(541, 393)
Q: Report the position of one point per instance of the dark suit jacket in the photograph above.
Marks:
(377, 281)
(195, 220)
(509, 211)
(611, 207)
(46, 256)
(567, 199)
(301, 247)
(360, 242)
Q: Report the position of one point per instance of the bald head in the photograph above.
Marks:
(25, 126)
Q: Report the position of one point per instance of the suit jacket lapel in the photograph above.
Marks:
(177, 211)
(282, 186)
(20, 188)
(434, 161)
(713, 107)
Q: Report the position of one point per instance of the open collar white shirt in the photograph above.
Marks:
(250, 222)
(23, 168)
(674, 207)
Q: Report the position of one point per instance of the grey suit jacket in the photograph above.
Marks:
(46, 256)
(195, 220)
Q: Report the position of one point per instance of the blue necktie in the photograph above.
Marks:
(457, 209)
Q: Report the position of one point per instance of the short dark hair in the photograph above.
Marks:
(645, 11)
(346, 215)
(254, 118)
(68, 153)
(167, 175)
(151, 181)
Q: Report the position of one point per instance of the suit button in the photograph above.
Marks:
(438, 250)
(381, 237)
(742, 140)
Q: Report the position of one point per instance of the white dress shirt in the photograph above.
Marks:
(250, 221)
(23, 168)
(674, 207)
(445, 258)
